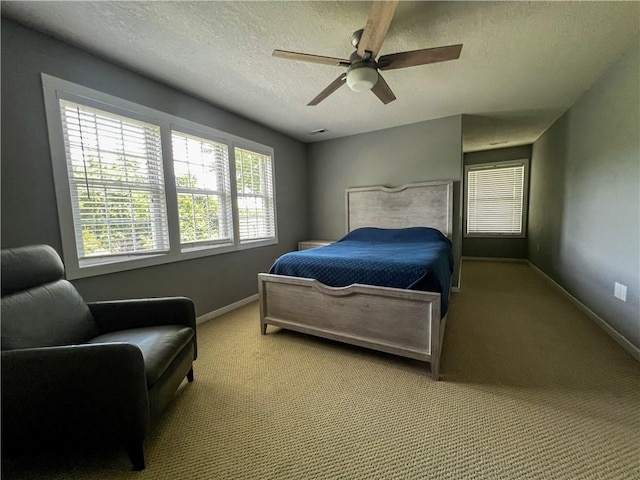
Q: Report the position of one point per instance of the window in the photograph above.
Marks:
(138, 187)
(201, 170)
(496, 199)
(254, 180)
(116, 184)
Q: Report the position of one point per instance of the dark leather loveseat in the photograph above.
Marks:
(79, 372)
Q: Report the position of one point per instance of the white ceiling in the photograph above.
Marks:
(522, 65)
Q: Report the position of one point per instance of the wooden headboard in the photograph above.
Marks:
(425, 204)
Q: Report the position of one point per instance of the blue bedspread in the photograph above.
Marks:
(417, 258)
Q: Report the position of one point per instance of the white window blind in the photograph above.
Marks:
(254, 180)
(496, 199)
(116, 183)
(201, 169)
(116, 213)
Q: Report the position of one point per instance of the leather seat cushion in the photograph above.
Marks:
(160, 345)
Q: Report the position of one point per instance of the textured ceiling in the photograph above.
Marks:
(522, 65)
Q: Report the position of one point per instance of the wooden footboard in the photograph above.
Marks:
(401, 322)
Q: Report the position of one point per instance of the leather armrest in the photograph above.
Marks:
(79, 390)
(117, 315)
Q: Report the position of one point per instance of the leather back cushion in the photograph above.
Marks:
(47, 315)
(30, 266)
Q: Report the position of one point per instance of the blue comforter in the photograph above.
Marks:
(417, 258)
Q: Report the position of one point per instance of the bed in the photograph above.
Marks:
(409, 322)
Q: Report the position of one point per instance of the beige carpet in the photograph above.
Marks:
(532, 389)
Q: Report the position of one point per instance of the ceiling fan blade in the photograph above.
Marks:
(333, 86)
(419, 57)
(306, 57)
(375, 30)
(382, 91)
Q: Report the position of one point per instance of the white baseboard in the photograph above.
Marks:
(620, 339)
(227, 309)
(496, 259)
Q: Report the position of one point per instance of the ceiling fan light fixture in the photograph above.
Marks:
(362, 79)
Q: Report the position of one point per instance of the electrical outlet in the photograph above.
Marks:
(620, 291)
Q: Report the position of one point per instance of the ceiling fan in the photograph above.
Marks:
(363, 70)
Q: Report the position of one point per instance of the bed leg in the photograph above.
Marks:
(435, 340)
(263, 328)
(435, 370)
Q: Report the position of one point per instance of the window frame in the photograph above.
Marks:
(55, 89)
(86, 261)
(525, 197)
(262, 152)
(205, 244)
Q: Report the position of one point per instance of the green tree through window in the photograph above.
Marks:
(116, 182)
(201, 170)
(254, 180)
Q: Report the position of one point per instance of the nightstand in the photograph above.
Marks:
(307, 244)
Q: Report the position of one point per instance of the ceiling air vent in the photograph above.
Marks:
(319, 130)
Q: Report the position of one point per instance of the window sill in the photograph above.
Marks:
(494, 236)
(73, 271)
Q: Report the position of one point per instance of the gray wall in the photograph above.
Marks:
(585, 195)
(495, 247)
(28, 200)
(424, 151)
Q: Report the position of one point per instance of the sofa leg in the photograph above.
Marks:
(135, 450)
(190, 375)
